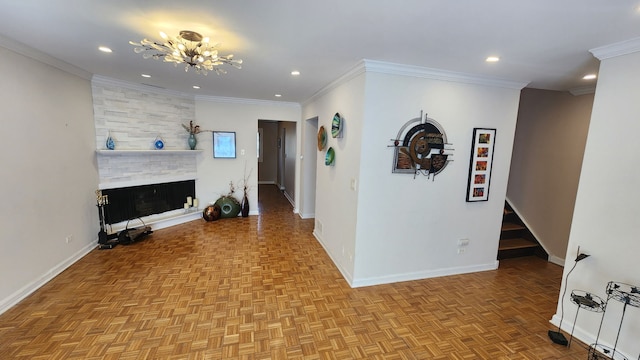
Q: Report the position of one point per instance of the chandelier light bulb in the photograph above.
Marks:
(188, 48)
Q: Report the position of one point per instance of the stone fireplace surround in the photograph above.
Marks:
(130, 168)
(134, 116)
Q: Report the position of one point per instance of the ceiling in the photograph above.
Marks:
(544, 43)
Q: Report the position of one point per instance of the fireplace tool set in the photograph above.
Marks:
(125, 237)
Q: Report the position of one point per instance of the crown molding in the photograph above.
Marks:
(583, 90)
(38, 55)
(437, 74)
(382, 67)
(617, 49)
(357, 69)
(232, 100)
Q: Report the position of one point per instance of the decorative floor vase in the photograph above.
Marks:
(229, 207)
(245, 206)
(192, 141)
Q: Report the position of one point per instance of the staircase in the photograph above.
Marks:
(515, 238)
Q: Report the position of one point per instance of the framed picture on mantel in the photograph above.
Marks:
(482, 147)
(224, 144)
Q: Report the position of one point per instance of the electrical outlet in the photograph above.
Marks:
(68, 239)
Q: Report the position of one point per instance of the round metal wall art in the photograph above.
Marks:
(421, 147)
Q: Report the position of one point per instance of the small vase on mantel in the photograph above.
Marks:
(192, 141)
(110, 143)
(245, 206)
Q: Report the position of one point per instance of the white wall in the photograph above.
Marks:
(605, 221)
(393, 227)
(336, 204)
(545, 167)
(214, 174)
(409, 228)
(290, 156)
(48, 163)
(307, 201)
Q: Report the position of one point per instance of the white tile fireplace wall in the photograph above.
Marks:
(134, 116)
(134, 168)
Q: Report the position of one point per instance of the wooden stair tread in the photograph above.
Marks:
(516, 243)
(508, 226)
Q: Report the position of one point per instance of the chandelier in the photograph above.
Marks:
(188, 48)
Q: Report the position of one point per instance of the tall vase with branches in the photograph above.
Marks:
(246, 188)
(192, 130)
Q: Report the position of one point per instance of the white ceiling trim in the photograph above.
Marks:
(356, 70)
(38, 55)
(382, 67)
(232, 100)
(583, 90)
(437, 74)
(616, 49)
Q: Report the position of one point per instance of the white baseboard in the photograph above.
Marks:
(345, 273)
(307, 216)
(419, 275)
(587, 337)
(293, 203)
(388, 279)
(16, 297)
(556, 260)
(155, 223)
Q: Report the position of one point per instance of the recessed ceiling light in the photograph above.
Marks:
(295, 73)
(278, 95)
(196, 87)
(104, 49)
(589, 77)
(145, 75)
(492, 59)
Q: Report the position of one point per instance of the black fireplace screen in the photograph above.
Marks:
(138, 201)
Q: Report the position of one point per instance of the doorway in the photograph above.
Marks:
(277, 156)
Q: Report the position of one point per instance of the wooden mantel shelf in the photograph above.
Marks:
(146, 152)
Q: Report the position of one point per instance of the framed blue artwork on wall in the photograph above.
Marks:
(224, 144)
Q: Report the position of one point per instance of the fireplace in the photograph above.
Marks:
(127, 203)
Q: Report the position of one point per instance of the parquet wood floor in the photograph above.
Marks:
(263, 288)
